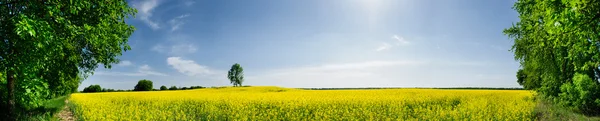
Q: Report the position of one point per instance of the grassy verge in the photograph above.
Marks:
(547, 111)
(76, 113)
(47, 111)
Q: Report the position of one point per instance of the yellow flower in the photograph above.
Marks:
(274, 103)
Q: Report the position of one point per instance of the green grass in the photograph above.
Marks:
(547, 111)
(76, 115)
(47, 111)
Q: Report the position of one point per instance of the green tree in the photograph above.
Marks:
(173, 88)
(528, 79)
(143, 85)
(521, 76)
(583, 93)
(93, 88)
(45, 44)
(163, 87)
(554, 41)
(108, 90)
(236, 75)
(196, 87)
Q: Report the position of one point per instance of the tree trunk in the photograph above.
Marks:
(11, 95)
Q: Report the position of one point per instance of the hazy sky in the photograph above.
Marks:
(318, 43)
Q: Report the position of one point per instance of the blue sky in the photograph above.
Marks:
(318, 43)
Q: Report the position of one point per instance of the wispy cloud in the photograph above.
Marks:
(125, 63)
(144, 70)
(183, 48)
(378, 73)
(145, 9)
(177, 21)
(340, 70)
(176, 49)
(463, 63)
(384, 46)
(496, 47)
(189, 2)
(177, 44)
(399, 41)
(364, 65)
(189, 67)
(365, 73)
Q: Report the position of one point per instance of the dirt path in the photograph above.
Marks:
(66, 114)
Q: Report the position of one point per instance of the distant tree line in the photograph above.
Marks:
(235, 76)
(143, 85)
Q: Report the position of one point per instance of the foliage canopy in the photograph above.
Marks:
(236, 75)
(557, 44)
(173, 88)
(143, 85)
(47, 47)
(93, 88)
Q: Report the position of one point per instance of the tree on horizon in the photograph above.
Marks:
(236, 75)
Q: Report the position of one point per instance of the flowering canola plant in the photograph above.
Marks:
(274, 103)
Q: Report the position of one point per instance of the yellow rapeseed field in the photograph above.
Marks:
(274, 103)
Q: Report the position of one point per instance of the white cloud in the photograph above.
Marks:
(366, 73)
(145, 9)
(177, 44)
(181, 48)
(159, 48)
(145, 67)
(125, 63)
(177, 49)
(496, 47)
(188, 67)
(183, 16)
(177, 22)
(189, 2)
(464, 63)
(384, 46)
(346, 69)
(144, 70)
(400, 41)
(378, 73)
(367, 64)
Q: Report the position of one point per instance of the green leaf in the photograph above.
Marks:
(31, 32)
